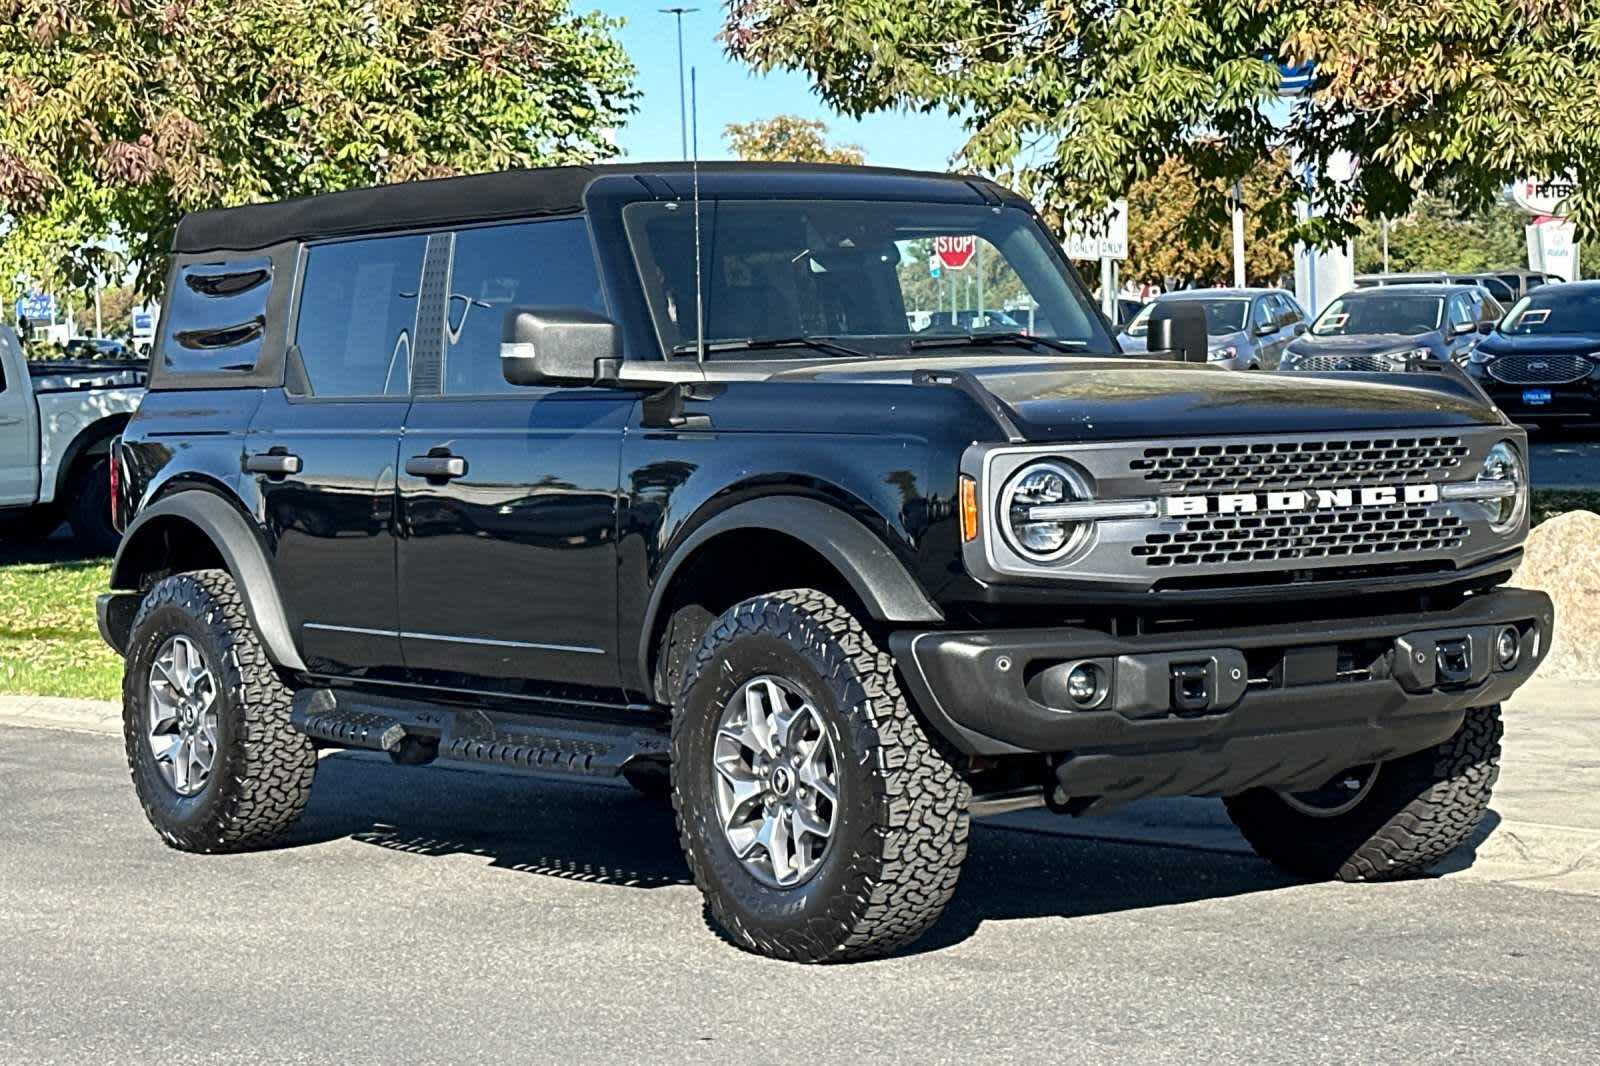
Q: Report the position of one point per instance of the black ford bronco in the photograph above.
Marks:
(819, 498)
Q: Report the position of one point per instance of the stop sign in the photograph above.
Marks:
(955, 252)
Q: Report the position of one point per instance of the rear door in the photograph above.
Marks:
(323, 450)
(508, 564)
(19, 426)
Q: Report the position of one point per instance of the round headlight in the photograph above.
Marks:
(1040, 485)
(1504, 464)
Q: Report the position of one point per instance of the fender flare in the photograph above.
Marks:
(873, 572)
(240, 547)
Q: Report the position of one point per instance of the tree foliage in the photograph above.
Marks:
(1434, 235)
(1075, 101)
(1179, 230)
(788, 139)
(116, 116)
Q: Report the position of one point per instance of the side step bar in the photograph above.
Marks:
(419, 732)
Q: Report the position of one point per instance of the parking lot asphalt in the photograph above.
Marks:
(443, 914)
(1571, 461)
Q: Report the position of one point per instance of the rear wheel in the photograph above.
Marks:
(819, 819)
(89, 510)
(1383, 821)
(206, 721)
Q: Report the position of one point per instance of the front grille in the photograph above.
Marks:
(1341, 533)
(1540, 369)
(1273, 465)
(1376, 364)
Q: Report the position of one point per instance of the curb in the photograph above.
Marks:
(52, 712)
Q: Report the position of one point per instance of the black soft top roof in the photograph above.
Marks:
(547, 191)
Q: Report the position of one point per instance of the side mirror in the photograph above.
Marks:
(1458, 328)
(555, 345)
(1267, 329)
(1486, 327)
(1179, 327)
(1300, 328)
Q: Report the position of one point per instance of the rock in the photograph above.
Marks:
(1563, 559)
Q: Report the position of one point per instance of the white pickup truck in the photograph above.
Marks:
(57, 421)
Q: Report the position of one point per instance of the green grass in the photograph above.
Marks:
(49, 645)
(1547, 503)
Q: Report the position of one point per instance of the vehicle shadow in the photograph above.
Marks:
(608, 835)
(57, 551)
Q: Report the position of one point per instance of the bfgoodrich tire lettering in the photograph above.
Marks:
(261, 775)
(900, 828)
(1420, 808)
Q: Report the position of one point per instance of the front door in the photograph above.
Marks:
(508, 495)
(323, 451)
(19, 433)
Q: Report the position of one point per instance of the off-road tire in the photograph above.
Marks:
(261, 777)
(1421, 807)
(902, 818)
(89, 510)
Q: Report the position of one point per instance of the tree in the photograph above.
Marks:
(1176, 231)
(116, 116)
(1434, 235)
(1074, 101)
(788, 139)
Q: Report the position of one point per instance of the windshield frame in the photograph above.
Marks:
(1100, 341)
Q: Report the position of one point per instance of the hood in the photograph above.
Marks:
(1364, 343)
(1548, 344)
(1090, 399)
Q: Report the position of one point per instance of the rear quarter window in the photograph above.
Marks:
(222, 324)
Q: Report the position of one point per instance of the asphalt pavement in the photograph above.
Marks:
(1568, 461)
(446, 914)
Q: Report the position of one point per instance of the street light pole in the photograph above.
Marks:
(683, 120)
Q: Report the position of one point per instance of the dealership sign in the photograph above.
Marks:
(1540, 197)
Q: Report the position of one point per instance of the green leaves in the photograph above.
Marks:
(1077, 100)
(788, 138)
(116, 116)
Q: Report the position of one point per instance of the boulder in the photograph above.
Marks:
(1563, 559)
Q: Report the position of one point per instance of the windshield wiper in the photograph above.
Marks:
(968, 340)
(759, 344)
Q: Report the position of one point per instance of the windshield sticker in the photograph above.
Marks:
(1533, 316)
(1336, 321)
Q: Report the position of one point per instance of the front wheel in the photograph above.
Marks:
(1380, 821)
(820, 820)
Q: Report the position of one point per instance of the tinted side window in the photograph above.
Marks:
(1263, 314)
(548, 264)
(358, 316)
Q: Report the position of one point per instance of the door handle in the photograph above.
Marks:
(273, 463)
(436, 467)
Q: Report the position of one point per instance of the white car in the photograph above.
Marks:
(57, 421)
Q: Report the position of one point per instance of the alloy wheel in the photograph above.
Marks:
(182, 715)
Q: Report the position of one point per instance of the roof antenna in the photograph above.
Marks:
(699, 287)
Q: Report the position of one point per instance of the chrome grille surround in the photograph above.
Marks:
(1266, 547)
(1540, 369)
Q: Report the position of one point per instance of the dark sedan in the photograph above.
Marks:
(1382, 329)
(1542, 364)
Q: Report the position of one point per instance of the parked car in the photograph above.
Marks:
(1248, 329)
(1507, 286)
(477, 483)
(1542, 363)
(57, 421)
(1378, 330)
(99, 348)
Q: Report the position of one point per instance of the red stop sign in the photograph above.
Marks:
(955, 252)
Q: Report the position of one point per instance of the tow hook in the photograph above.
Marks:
(1193, 687)
(1454, 658)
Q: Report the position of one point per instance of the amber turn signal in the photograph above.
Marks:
(969, 509)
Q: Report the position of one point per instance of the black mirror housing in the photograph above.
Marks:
(1179, 326)
(556, 345)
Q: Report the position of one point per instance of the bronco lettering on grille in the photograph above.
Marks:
(1299, 500)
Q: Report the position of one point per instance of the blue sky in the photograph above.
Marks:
(730, 92)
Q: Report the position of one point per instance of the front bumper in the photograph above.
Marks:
(113, 612)
(1571, 401)
(1214, 712)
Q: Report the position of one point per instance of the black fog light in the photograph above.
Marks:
(1507, 647)
(1086, 684)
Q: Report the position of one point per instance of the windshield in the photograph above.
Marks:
(870, 276)
(1222, 316)
(1555, 310)
(1376, 311)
